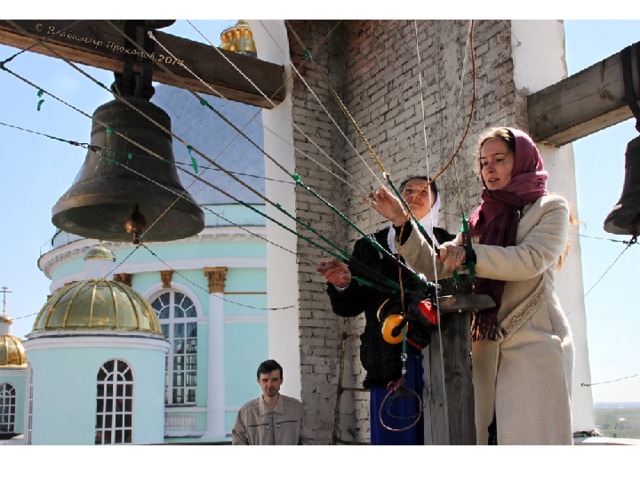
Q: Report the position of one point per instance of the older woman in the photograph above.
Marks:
(382, 360)
(522, 349)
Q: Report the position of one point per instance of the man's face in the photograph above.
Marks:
(270, 383)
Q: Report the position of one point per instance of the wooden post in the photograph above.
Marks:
(449, 406)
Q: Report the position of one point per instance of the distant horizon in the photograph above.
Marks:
(613, 404)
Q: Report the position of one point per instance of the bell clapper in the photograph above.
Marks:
(135, 224)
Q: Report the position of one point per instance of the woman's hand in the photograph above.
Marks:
(387, 205)
(452, 256)
(336, 273)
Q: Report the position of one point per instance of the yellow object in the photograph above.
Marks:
(12, 352)
(391, 322)
(239, 39)
(97, 304)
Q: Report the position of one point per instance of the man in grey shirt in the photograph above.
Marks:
(272, 418)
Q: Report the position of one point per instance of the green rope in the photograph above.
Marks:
(471, 264)
(372, 241)
(194, 163)
(41, 101)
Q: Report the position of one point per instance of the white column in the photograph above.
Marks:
(539, 61)
(282, 268)
(215, 363)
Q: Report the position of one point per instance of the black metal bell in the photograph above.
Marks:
(624, 219)
(129, 171)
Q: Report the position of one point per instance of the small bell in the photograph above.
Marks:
(624, 219)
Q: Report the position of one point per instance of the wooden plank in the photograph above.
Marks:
(99, 44)
(583, 103)
(449, 412)
(465, 303)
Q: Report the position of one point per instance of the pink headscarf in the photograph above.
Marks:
(495, 221)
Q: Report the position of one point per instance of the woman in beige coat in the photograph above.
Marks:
(522, 349)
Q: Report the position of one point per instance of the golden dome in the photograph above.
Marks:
(12, 352)
(239, 39)
(97, 305)
(100, 251)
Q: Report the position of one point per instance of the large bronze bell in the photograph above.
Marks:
(624, 219)
(123, 191)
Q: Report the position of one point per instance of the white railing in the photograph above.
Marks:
(179, 421)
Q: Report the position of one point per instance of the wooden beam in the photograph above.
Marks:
(100, 44)
(450, 416)
(583, 103)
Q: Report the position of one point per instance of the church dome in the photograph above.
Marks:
(97, 305)
(100, 252)
(12, 352)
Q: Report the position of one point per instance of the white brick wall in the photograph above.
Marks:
(373, 66)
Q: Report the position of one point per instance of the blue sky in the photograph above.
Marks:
(611, 271)
(36, 171)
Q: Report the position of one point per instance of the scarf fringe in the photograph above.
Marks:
(485, 326)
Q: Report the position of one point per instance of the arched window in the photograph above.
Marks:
(114, 412)
(7, 410)
(177, 314)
